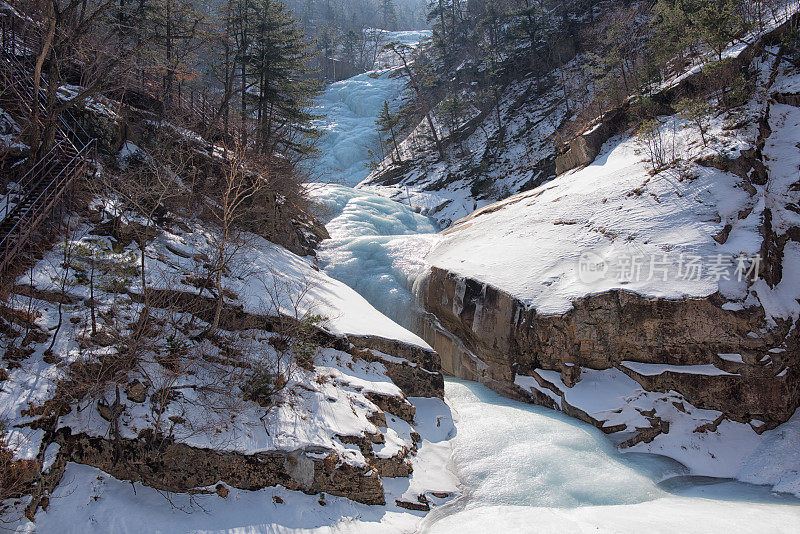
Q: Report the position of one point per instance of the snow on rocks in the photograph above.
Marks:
(271, 279)
(339, 420)
(535, 244)
(650, 369)
(577, 293)
(667, 424)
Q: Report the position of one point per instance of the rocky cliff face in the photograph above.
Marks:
(330, 402)
(484, 334)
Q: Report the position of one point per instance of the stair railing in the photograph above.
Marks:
(30, 179)
(40, 206)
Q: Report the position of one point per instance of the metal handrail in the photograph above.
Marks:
(36, 204)
(30, 179)
(67, 121)
(46, 181)
(201, 109)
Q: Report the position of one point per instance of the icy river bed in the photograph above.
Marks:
(522, 468)
(525, 468)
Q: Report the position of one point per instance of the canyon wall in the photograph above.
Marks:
(484, 334)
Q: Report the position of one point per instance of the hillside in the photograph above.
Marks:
(651, 292)
(499, 144)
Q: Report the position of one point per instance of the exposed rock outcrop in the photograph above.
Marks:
(177, 467)
(602, 331)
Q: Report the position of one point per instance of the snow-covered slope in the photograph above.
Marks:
(478, 169)
(491, 153)
(611, 212)
(272, 271)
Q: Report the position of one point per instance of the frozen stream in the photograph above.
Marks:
(523, 468)
(529, 469)
(376, 244)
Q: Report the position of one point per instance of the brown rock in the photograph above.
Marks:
(416, 506)
(621, 326)
(179, 468)
(136, 391)
(397, 406)
(377, 418)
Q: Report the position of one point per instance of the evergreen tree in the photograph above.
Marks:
(680, 22)
(277, 64)
(528, 25)
(172, 25)
(387, 122)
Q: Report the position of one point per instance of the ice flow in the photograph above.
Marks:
(376, 244)
(376, 247)
(529, 469)
(523, 468)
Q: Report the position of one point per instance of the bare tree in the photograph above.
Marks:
(144, 187)
(229, 208)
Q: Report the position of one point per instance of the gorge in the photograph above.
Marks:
(534, 268)
(379, 248)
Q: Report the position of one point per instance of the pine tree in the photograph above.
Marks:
(387, 122)
(527, 23)
(172, 25)
(493, 21)
(719, 21)
(673, 33)
(682, 22)
(415, 80)
(277, 63)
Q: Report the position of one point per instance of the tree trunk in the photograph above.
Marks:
(36, 130)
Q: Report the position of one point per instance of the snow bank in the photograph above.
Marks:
(89, 500)
(268, 275)
(725, 449)
(529, 468)
(614, 215)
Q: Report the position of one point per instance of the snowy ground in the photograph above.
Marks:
(522, 468)
(528, 469)
(89, 500)
(638, 227)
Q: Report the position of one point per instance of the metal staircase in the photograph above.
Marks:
(39, 191)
